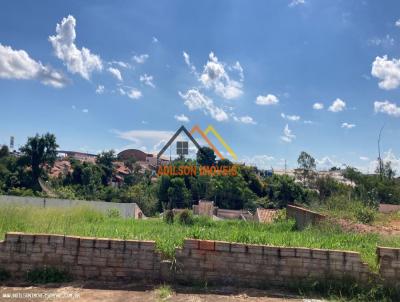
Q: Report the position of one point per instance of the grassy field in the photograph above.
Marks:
(85, 222)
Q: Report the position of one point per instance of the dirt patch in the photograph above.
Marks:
(134, 292)
(390, 228)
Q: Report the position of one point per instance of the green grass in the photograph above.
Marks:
(85, 222)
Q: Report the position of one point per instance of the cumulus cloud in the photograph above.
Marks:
(293, 118)
(347, 125)
(144, 139)
(141, 58)
(239, 69)
(147, 80)
(326, 162)
(387, 107)
(154, 39)
(193, 70)
(17, 64)
(364, 158)
(116, 73)
(80, 61)
(287, 136)
(181, 118)
(267, 100)
(397, 23)
(294, 3)
(318, 106)
(245, 119)
(195, 100)
(387, 71)
(100, 89)
(337, 106)
(215, 76)
(121, 64)
(388, 156)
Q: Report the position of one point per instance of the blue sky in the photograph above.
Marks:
(273, 77)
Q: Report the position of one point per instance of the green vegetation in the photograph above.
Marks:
(47, 275)
(164, 292)
(85, 222)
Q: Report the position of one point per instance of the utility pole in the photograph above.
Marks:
(380, 163)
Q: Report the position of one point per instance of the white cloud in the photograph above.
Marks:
(239, 69)
(318, 106)
(260, 161)
(134, 94)
(293, 118)
(397, 23)
(186, 57)
(141, 58)
(387, 107)
(215, 76)
(144, 139)
(85, 110)
(195, 100)
(154, 39)
(121, 64)
(73, 107)
(386, 41)
(308, 122)
(294, 3)
(364, 158)
(347, 125)
(245, 119)
(80, 61)
(147, 80)
(387, 71)
(17, 64)
(287, 136)
(181, 118)
(116, 73)
(100, 89)
(326, 162)
(388, 156)
(267, 100)
(337, 106)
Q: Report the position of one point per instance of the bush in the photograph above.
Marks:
(365, 215)
(168, 216)
(113, 213)
(186, 217)
(47, 275)
(4, 275)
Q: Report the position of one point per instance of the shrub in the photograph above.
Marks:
(186, 217)
(47, 275)
(4, 275)
(365, 215)
(113, 213)
(168, 216)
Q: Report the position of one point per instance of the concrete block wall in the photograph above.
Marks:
(83, 257)
(389, 265)
(259, 265)
(302, 216)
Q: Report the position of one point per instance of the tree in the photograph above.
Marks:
(307, 165)
(105, 160)
(38, 152)
(205, 156)
(178, 194)
(4, 151)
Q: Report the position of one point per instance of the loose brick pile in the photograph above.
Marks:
(83, 258)
(197, 262)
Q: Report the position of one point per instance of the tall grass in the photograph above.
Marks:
(86, 222)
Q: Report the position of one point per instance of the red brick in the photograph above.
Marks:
(207, 245)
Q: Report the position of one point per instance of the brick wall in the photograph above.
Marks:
(389, 265)
(302, 216)
(84, 258)
(258, 265)
(198, 261)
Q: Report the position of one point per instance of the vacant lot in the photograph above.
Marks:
(85, 222)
